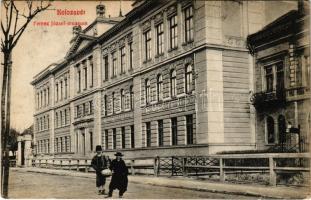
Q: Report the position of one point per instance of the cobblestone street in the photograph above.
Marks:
(37, 185)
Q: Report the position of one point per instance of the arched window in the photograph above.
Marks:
(131, 97)
(159, 88)
(281, 129)
(147, 90)
(173, 83)
(188, 78)
(122, 99)
(270, 130)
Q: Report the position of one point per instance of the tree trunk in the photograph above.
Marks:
(5, 121)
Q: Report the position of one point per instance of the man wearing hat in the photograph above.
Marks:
(119, 175)
(99, 163)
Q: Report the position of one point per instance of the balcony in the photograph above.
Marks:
(268, 100)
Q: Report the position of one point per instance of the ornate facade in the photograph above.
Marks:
(169, 78)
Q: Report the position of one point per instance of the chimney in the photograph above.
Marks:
(100, 10)
(76, 30)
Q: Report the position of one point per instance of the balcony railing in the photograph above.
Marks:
(263, 100)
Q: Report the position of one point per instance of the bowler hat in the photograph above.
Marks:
(118, 154)
(99, 148)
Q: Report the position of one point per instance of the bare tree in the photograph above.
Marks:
(13, 25)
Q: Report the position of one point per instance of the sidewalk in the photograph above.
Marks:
(193, 184)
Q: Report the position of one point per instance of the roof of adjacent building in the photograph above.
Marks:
(282, 26)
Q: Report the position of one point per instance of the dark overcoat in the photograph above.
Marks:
(119, 177)
(99, 163)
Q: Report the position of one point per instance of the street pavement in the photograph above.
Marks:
(38, 183)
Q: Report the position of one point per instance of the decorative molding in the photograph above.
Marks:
(121, 42)
(129, 38)
(146, 25)
(171, 11)
(158, 19)
(105, 51)
(186, 3)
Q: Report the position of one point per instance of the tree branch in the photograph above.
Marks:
(11, 14)
(16, 19)
(30, 17)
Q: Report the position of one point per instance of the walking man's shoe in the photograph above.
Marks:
(109, 196)
(99, 192)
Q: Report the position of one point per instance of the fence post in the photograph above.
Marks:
(53, 166)
(78, 161)
(272, 172)
(221, 170)
(69, 163)
(156, 166)
(46, 164)
(61, 164)
(172, 171)
(132, 167)
(184, 169)
(86, 167)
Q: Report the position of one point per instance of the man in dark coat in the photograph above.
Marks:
(99, 163)
(119, 175)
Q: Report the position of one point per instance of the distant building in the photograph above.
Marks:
(169, 78)
(282, 80)
(25, 148)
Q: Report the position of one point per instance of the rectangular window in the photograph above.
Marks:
(85, 77)
(160, 132)
(132, 137)
(106, 67)
(147, 38)
(105, 105)
(83, 109)
(92, 71)
(173, 32)
(61, 91)
(148, 134)
(56, 94)
(189, 24)
(174, 130)
(49, 95)
(131, 55)
(269, 79)
(123, 137)
(114, 138)
(122, 51)
(189, 125)
(66, 87)
(91, 107)
(114, 64)
(160, 39)
(79, 81)
(106, 139)
(280, 78)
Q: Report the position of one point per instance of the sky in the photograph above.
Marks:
(40, 46)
